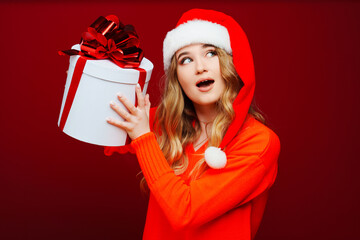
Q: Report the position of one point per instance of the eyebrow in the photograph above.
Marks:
(203, 46)
(183, 53)
(207, 45)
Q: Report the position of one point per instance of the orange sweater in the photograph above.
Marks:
(223, 203)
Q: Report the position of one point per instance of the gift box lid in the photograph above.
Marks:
(107, 70)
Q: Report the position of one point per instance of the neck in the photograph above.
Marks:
(205, 113)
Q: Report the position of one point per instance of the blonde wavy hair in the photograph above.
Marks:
(176, 127)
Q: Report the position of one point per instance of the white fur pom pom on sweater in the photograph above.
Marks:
(215, 157)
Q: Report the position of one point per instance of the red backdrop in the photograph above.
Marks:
(307, 67)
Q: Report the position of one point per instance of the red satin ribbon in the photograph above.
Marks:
(108, 38)
(79, 67)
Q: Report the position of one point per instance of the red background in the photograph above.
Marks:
(307, 67)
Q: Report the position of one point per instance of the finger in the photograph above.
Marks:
(147, 103)
(129, 105)
(119, 110)
(118, 123)
(140, 96)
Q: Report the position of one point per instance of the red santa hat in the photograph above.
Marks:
(218, 29)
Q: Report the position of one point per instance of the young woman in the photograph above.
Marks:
(205, 155)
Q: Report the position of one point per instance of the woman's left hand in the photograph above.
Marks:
(136, 119)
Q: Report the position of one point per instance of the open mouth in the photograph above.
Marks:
(205, 83)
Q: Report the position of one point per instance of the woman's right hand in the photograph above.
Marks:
(136, 119)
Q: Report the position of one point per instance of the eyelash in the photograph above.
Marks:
(183, 60)
(213, 52)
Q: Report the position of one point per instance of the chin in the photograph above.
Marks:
(206, 103)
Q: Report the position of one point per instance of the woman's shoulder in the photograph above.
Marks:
(255, 138)
(255, 128)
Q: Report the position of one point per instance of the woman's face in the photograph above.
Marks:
(198, 72)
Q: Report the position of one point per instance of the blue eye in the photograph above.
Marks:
(185, 60)
(211, 53)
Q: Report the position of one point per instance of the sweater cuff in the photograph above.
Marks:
(151, 159)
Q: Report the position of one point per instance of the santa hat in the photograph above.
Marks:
(218, 29)
(194, 31)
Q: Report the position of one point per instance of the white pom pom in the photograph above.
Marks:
(215, 157)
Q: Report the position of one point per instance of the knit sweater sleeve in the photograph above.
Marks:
(250, 171)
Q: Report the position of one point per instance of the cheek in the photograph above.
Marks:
(179, 74)
(223, 87)
(216, 67)
(183, 78)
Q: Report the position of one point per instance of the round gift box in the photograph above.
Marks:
(99, 84)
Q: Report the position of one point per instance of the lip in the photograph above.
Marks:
(207, 88)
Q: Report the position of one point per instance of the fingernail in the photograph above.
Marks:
(138, 85)
(119, 94)
(112, 103)
(109, 119)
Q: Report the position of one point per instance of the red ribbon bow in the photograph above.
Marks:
(109, 38)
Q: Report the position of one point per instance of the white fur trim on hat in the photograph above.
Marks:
(195, 31)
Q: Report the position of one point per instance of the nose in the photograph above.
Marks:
(200, 66)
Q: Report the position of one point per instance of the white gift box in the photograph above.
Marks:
(99, 84)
